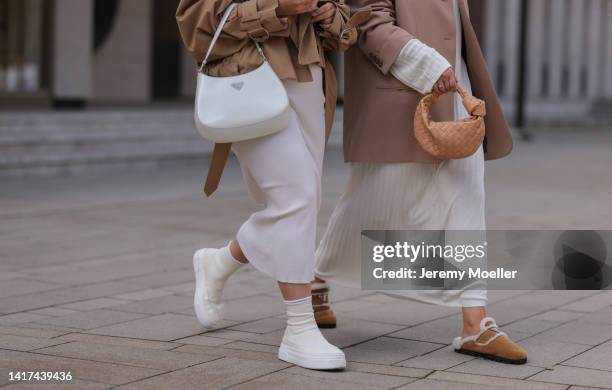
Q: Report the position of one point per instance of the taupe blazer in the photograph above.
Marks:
(379, 109)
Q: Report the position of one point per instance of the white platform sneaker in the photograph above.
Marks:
(212, 268)
(304, 345)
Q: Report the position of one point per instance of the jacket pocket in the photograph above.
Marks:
(391, 84)
(397, 88)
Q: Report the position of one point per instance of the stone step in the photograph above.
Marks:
(59, 142)
(57, 128)
(163, 148)
(55, 142)
(66, 143)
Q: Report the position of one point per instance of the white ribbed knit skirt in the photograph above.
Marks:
(448, 195)
(283, 173)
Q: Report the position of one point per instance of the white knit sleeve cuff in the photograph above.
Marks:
(419, 66)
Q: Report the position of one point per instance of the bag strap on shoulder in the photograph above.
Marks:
(226, 15)
(218, 32)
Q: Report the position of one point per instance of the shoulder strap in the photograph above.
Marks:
(226, 15)
(218, 32)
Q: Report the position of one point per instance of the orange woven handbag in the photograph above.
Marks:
(450, 140)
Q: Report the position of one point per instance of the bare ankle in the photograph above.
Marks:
(237, 253)
(470, 330)
(472, 316)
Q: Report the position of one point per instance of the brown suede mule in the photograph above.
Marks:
(491, 343)
(324, 315)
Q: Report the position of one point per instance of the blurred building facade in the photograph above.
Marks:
(71, 53)
(74, 53)
(569, 54)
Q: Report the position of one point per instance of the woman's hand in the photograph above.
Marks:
(324, 15)
(295, 7)
(446, 83)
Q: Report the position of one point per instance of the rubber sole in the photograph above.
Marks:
(208, 316)
(313, 362)
(494, 358)
(326, 319)
(327, 326)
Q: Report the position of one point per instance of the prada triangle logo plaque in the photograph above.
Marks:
(237, 86)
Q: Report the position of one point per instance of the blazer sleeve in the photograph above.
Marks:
(198, 19)
(380, 39)
(342, 33)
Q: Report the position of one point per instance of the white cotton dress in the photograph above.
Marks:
(283, 174)
(449, 195)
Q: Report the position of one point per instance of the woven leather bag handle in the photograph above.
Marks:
(473, 105)
(450, 139)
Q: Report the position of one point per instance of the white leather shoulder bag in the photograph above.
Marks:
(238, 108)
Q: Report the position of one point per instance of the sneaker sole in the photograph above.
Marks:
(313, 362)
(494, 358)
(207, 318)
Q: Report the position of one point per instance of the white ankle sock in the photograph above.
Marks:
(225, 264)
(222, 266)
(300, 315)
(302, 332)
(307, 299)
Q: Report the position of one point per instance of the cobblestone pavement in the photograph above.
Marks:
(95, 277)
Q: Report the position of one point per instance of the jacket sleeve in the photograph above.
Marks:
(198, 19)
(380, 39)
(342, 33)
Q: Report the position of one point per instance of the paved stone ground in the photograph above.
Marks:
(95, 277)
